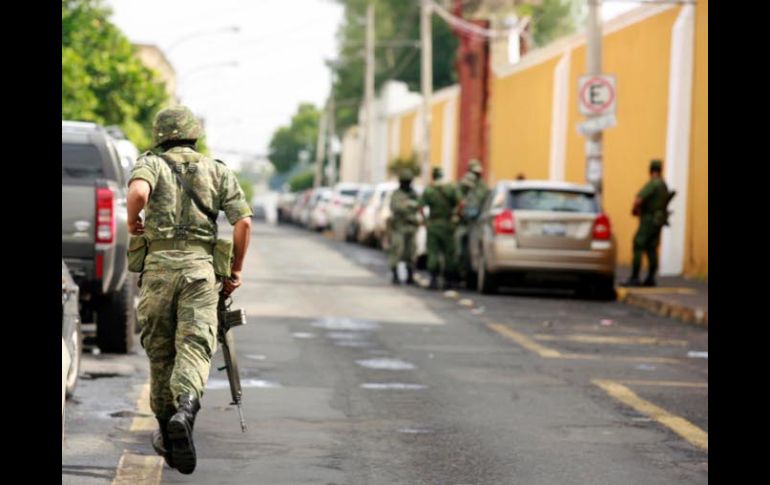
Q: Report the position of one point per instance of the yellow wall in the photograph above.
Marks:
(638, 55)
(697, 245)
(437, 134)
(520, 123)
(406, 148)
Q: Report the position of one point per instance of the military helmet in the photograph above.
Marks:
(467, 180)
(405, 175)
(437, 173)
(176, 123)
(656, 165)
(475, 166)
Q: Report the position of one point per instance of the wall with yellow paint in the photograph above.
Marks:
(638, 54)
(697, 247)
(437, 133)
(520, 123)
(406, 125)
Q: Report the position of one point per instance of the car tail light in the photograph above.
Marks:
(504, 223)
(602, 229)
(105, 216)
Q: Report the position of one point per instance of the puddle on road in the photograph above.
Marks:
(344, 335)
(695, 354)
(644, 367)
(386, 364)
(254, 383)
(255, 356)
(303, 335)
(333, 323)
(416, 430)
(131, 414)
(353, 343)
(392, 385)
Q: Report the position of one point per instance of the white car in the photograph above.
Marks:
(368, 218)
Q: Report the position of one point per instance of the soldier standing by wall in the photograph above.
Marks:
(441, 200)
(403, 226)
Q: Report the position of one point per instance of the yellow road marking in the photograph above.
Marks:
(680, 426)
(137, 469)
(549, 353)
(607, 339)
(665, 383)
(524, 341)
(142, 423)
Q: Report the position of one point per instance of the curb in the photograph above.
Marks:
(660, 306)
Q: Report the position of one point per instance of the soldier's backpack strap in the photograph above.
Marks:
(198, 202)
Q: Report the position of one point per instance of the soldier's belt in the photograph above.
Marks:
(181, 245)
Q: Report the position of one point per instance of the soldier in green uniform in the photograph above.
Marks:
(462, 220)
(177, 308)
(469, 211)
(650, 206)
(441, 199)
(402, 226)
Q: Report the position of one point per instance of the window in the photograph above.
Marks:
(80, 161)
(552, 200)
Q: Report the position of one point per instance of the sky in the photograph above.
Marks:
(279, 49)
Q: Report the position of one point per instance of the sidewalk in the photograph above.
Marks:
(676, 297)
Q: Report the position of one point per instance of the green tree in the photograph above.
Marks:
(102, 79)
(303, 180)
(552, 19)
(300, 135)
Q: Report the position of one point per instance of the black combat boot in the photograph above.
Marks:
(180, 433)
(650, 281)
(433, 281)
(409, 275)
(161, 442)
(633, 281)
(395, 279)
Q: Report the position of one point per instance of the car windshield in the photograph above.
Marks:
(349, 192)
(552, 200)
(80, 161)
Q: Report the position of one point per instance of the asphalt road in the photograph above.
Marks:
(351, 380)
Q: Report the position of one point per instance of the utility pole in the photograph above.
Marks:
(426, 77)
(594, 164)
(330, 145)
(367, 145)
(319, 150)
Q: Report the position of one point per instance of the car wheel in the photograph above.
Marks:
(116, 320)
(486, 282)
(76, 343)
(604, 289)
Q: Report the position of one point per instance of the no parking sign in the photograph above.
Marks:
(596, 94)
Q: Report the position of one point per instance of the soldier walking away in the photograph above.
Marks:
(402, 227)
(441, 199)
(650, 206)
(181, 191)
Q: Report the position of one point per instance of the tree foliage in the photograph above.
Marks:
(102, 79)
(303, 180)
(300, 135)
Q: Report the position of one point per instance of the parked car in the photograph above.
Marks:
(368, 218)
(353, 217)
(319, 214)
(95, 235)
(542, 231)
(286, 202)
(71, 332)
(303, 198)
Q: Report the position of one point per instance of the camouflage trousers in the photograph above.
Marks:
(646, 241)
(441, 247)
(402, 247)
(177, 312)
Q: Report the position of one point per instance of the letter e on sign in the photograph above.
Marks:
(596, 95)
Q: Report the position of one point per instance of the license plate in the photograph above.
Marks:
(554, 229)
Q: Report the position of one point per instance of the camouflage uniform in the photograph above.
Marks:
(476, 193)
(441, 199)
(403, 224)
(652, 216)
(463, 219)
(179, 293)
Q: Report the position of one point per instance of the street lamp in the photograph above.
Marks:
(231, 29)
